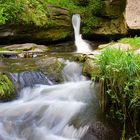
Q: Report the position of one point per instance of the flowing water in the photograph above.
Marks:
(45, 112)
(81, 45)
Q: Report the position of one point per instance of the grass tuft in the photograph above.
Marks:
(119, 78)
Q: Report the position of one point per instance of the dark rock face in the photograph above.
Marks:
(98, 131)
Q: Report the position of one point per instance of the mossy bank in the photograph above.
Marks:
(49, 21)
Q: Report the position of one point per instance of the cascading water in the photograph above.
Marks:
(81, 45)
(45, 112)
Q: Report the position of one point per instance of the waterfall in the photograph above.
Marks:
(81, 45)
(44, 112)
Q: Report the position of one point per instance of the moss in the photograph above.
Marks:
(7, 90)
(53, 34)
(26, 11)
(51, 67)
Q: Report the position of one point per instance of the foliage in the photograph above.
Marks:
(119, 78)
(22, 11)
(95, 6)
(134, 42)
(7, 90)
(35, 11)
(89, 15)
(91, 23)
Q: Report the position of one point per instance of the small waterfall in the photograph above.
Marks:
(81, 45)
(44, 112)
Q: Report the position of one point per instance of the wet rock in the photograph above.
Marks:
(98, 131)
(51, 67)
(26, 50)
(29, 79)
(90, 67)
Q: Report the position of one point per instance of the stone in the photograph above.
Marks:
(90, 67)
(26, 47)
(98, 131)
(137, 51)
(51, 67)
(132, 14)
(26, 50)
(120, 46)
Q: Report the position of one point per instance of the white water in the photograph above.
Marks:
(81, 45)
(44, 112)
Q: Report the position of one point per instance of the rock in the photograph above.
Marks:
(89, 67)
(27, 50)
(132, 14)
(26, 47)
(120, 46)
(137, 51)
(57, 27)
(98, 131)
(112, 8)
(29, 79)
(51, 67)
(107, 22)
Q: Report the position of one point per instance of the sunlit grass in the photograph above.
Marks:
(119, 78)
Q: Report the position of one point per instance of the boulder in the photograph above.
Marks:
(120, 46)
(137, 51)
(90, 67)
(98, 131)
(24, 50)
(51, 67)
(132, 14)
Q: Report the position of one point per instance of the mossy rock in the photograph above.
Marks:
(90, 67)
(7, 89)
(51, 67)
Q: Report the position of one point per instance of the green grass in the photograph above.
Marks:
(119, 78)
(134, 42)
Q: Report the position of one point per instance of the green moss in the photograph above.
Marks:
(27, 11)
(90, 24)
(134, 42)
(36, 11)
(7, 90)
(119, 77)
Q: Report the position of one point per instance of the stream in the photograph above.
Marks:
(51, 111)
